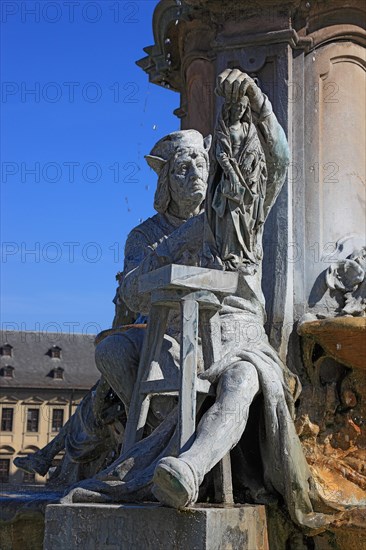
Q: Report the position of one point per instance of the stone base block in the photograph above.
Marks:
(143, 527)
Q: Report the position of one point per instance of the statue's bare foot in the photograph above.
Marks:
(33, 463)
(175, 483)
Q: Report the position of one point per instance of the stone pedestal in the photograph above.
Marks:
(135, 527)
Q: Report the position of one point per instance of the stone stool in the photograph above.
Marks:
(198, 293)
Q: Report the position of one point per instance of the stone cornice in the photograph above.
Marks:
(289, 36)
(304, 25)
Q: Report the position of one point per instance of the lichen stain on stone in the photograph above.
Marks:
(233, 538)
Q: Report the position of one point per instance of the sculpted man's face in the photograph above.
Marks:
(188, 177)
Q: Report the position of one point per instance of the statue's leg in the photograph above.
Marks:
(223, 425)
(177, 480)
(117, 358)
(41, 461)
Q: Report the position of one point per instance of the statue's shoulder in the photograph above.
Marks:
(151, 229)
(151, 224)
(148, 224)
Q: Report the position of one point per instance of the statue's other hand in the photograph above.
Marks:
(233, 85)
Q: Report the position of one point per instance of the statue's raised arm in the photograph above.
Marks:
(248, 170)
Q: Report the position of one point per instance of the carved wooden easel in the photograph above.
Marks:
(198, 293)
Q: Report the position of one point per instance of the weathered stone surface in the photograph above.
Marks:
(112, 527)
(24, 532)
(183, 276)
(343, 338)
(22, 517)
(309, 59)
(304, 55)
(332, 407)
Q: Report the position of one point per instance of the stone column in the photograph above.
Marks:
(331, 172)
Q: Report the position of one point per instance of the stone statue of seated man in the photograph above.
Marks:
(87, 438)
(252, 412)
(250, 379)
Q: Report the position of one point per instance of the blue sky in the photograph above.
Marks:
(74, 181)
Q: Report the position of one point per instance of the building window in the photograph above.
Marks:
(55, 352)
(6, 350)
(7, 419)
(7, 371)
(58, 373)
(29, 477)
(32, 420)
(4, 470)
(57, 419)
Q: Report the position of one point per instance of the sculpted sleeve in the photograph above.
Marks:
(275, 146)
(139, 259)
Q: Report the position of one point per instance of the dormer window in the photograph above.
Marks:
(7, 371)
(6, 350)
(55, 352)
(58, 373)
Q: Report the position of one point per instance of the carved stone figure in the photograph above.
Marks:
(239, 187)
(252, 412)
(349, 277)
(92, 434)
(250, 379)
(340, 290)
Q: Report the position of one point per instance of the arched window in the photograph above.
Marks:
(30, 449)
(6, 450)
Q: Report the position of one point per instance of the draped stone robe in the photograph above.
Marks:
(238, 198)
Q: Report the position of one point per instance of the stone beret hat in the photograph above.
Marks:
(165, 147)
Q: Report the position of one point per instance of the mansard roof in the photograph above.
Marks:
(34, 366)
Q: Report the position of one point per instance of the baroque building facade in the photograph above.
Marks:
(43, 377)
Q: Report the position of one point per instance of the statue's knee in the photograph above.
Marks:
(104, 352)
(240, 374)
(117, 359)
(99, 355)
